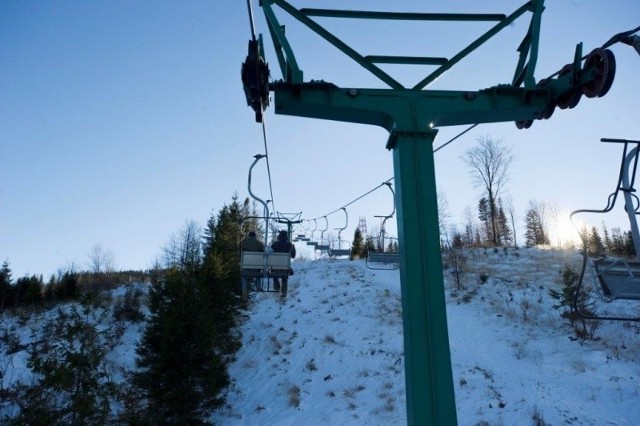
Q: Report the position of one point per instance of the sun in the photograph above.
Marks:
(564, 234)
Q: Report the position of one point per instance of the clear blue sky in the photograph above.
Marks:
(120, 120)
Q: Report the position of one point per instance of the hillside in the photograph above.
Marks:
(332, 352)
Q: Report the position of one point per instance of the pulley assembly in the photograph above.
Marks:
(255, 79)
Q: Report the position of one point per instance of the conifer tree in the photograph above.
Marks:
(617, 242)
(503, 226)
(71, 385)
(5, 284)
(484, 215)
(458, 240)
(596, 247)
(535, 233)
(357, 246)
(629, 247)
(369, 245)
(222, 240)
(606, 240)
(181, 370)
(180, 375)
(568, 302)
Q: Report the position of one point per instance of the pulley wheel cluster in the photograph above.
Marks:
(548, 110)
(255, 80)
(571, 98)
(603, 64)
(600, 66)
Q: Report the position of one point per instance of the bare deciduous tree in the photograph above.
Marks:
(470, 227)
(489, 161)
(183, 249)
(100, 260)
(101, 264)
(511, 211)
(443, 218)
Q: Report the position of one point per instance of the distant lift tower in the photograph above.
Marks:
(412, 116)
(362, 226)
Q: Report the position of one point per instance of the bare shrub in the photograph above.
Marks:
(294, 396)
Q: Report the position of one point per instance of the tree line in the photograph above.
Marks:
(188, 340)
(493, 224)
(34, 292)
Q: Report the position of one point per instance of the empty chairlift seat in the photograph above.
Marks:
(383, 261)
(340, 252)
(379, 257)
(619, 279)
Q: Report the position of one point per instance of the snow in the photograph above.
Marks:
(332, 351)
(336, 345)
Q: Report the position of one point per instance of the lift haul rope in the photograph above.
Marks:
(391, 178)
(264, 129)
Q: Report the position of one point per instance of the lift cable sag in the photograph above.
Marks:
(266, 151)
(391, 178)
(251, 24)
(262, 107)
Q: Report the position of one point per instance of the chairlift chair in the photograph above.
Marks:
(303, 235)
(310, 242)
(339, 252)
(381, 260)
(263, 266)
(323, 245)
(618, 278)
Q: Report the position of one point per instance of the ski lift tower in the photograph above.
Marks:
(412, 116)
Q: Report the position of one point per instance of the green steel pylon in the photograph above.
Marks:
(412, 115)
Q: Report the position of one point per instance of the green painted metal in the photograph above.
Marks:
(314, 26)
(409, 110)
(289, 219)
(429, 378)
(531, 6)
(402, 16)
(408, 60)
(411, 116)
(286, 59)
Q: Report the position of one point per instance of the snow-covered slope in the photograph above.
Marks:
(332, 352)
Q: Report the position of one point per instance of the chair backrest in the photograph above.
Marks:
(384, 257)
(266, 263)
(340, 252)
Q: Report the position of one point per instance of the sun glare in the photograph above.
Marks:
(564, 233)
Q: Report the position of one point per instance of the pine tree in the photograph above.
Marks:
(458, 241)
(5, 285)
(535, 233)
(606, 239)
(221, 250)
(629, 247)
(503, 226)
(369, 245)
(181, 370)
(221, 271)
(568, 302)
(180, 373)
(530, 234)
(484, 215)
(71, 385)
(357, 246)
(596, 247)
